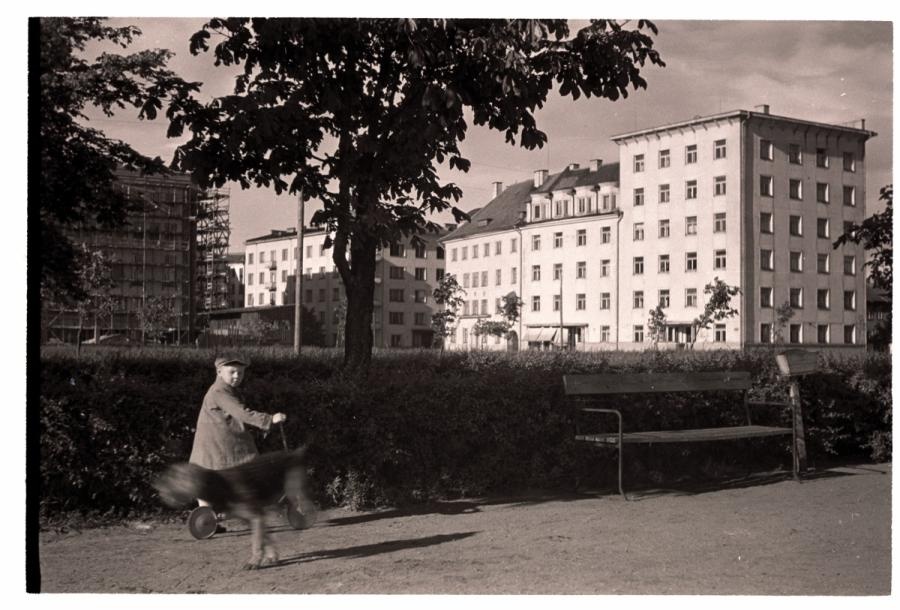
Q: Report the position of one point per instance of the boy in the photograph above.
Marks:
(221, 439)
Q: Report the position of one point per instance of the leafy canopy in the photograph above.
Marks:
(876, 233)
(78, 162)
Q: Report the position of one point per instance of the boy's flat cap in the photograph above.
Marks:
(232, 359)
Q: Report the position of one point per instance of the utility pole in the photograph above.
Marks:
(298, 281)
(561, 344)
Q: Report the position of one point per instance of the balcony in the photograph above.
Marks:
(272, 286)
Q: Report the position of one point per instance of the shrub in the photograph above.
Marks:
(422, 426)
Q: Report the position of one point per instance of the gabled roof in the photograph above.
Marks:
(504, 211)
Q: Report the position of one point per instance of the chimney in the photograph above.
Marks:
(595, 164)
(450, 226)
(765, 109)
(539, 176)
(498, 188)
(572, 166)
(863, 123)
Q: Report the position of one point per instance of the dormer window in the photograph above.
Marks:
(537, 211)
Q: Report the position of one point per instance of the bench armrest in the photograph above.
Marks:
(616, 412)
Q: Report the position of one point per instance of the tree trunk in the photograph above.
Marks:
(358, 339)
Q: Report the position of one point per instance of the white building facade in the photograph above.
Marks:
(752, 199)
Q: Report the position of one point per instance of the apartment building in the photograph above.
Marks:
(750, 198)
(406, 275)
(235, 280)
(152, 262)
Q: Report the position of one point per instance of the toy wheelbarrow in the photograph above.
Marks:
(203, 521)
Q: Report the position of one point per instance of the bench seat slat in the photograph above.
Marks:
(685, 436)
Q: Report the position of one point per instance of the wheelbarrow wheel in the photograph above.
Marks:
(300, 517)
(203, 522)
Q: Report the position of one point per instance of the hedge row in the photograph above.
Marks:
(422, 427)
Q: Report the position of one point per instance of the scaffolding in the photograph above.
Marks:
(213, 232)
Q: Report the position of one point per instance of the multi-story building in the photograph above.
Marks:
(152, 263)
(750, 198)
(235, 279)
(405, 277)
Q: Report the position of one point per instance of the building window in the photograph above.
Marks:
(719, 186)
(719, 260)
(484, 279)
(690, 297)
(465, 336)
(664, 193)
(795, 225)
(664, 228)
(821, 157)
(395, 317)
(537, 211)
(766, 187)
(690, 225)
(535, 243)
(580, 237)
(664, 160)
(512, 246)
(475, 280)
(765, 333)
(604, 334)
(765, 297)
(513, 275)
(395, 295)
(690, 261)
(557, 240)
(250, 258)
(822, 192)
(535, 273)
(796, 261)
(795, 333)
(638, 163)
(663, 263)
(765, 222)
(823, 263)
(420, 274)
(465, 252)
(498, 278)
(284, 275)
(398, 250)
(397, 273)
(637, 300)
(822, 333)
(823, 228)
(719, 222)
(484, 307)
(581, 270)
(720, 333)
(474, 251)
(638, 265)
(322, 295)
(638, 196)
(795, 188)
(849, 333)
(250, 300)
(849, 265)
(796, 298)
(690, 154)
(605, 235)
(795, 155)
(486, 249)
(249, 279)
(606, 207)
(557, 302)
(638, 231)
(308, 298)
(604, 267)
(664, 298)
(439, 253)
(850, 300)
(604, 300)
(559, 207)
(580, 302)
(639, 333)
(823, 298)
(420, 296)
(475, 307)
(439, 274)
(453, 255)
(582, 205)
(690, 189)
(284, 254)
(719, 149)
(766, 150)
(850, 195)
(849, 162)
(557, 271)
(262, 257)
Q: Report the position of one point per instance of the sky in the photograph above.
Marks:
(825, 71)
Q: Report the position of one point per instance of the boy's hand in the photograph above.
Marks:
(278, 418)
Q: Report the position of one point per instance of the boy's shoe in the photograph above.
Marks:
(220, 529)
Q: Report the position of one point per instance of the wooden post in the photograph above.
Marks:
(799, 431)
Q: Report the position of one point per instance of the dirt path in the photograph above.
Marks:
(830, 535)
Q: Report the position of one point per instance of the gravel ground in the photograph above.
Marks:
(830, 535)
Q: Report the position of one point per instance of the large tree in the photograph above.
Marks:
(359, 113)
(77, 162)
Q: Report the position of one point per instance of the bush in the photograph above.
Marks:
(422, 427)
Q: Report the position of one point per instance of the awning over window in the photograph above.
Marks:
(540, 335)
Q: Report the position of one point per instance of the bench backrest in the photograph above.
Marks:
(638, 383)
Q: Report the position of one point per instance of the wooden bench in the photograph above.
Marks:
(586, 388)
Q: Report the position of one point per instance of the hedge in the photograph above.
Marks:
(421, 426)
